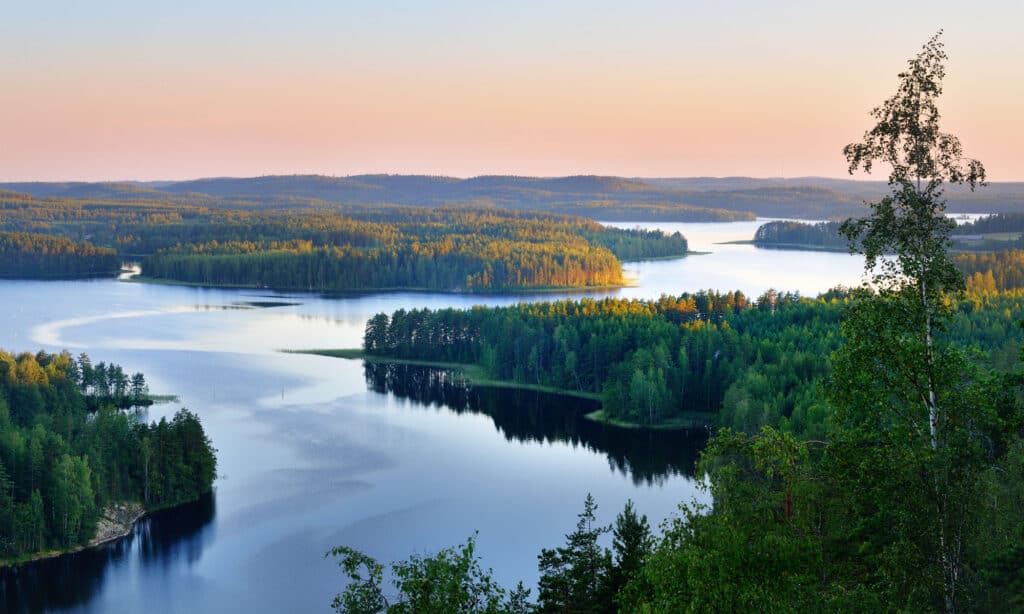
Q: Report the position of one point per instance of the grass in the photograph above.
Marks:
(163, 398)
(1002, 236)
(807, 247)
(476, 376)
(674, 257)
(690, 420)
(160, 281)
(473, 374)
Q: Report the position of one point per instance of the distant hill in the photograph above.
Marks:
(598, 197)
(727, 184)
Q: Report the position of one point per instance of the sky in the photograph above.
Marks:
(173, 90)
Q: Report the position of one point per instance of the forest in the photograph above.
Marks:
(788, 234)
(67, 451)
(384, 247)
(995, 232)
(996, 223)
(992, 272)
(681, 199)
(697, 359)
(33, 255)
(903, 491)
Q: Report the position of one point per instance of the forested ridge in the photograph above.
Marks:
(241, 244)
(695, 199)
(66, 451)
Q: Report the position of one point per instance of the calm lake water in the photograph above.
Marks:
(316, 452)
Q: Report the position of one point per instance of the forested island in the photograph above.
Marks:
(295, 248)
(785, 234)
(69, 458)
(1001, 231)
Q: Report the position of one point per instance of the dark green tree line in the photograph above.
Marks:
(33, 255)
(65, 453)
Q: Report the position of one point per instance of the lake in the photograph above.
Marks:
(316, 452)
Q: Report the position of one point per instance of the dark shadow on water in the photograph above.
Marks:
(165, 538)
(645, 455)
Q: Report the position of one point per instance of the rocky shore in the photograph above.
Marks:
(116, 521)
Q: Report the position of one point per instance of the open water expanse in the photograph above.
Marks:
(316, 452)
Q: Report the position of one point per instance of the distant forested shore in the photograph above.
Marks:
(34, 256)
(606, 198)
(285, 247)
(1000, 231)
(384, 232)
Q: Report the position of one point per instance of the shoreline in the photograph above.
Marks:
(473, 375)
(682, 423)
(117, 521)
(142, 279)
(794, 247)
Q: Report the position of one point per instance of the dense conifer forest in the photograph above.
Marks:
(67, 451)
(996, 223)
(796, 235)
(706, 358)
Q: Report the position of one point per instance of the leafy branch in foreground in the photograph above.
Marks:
(450, 581)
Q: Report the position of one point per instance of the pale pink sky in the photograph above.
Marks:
(113, 90)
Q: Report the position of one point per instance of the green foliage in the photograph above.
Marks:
(632, 544)
(714, 356)
(576, 577)
(34, 255)
(911, 502)
(66, 451)
(450, 581)
(784, 233)
(363, 595)
(756, 551)
(900, 389)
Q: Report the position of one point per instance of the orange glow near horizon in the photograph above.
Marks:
(84, 110)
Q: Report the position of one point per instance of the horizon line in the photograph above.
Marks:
(468, 177)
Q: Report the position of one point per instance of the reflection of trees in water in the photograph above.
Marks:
(163, 539)
(524, 415)
(175, 534)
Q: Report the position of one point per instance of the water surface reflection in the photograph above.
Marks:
(165, 539)
(647, 456)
